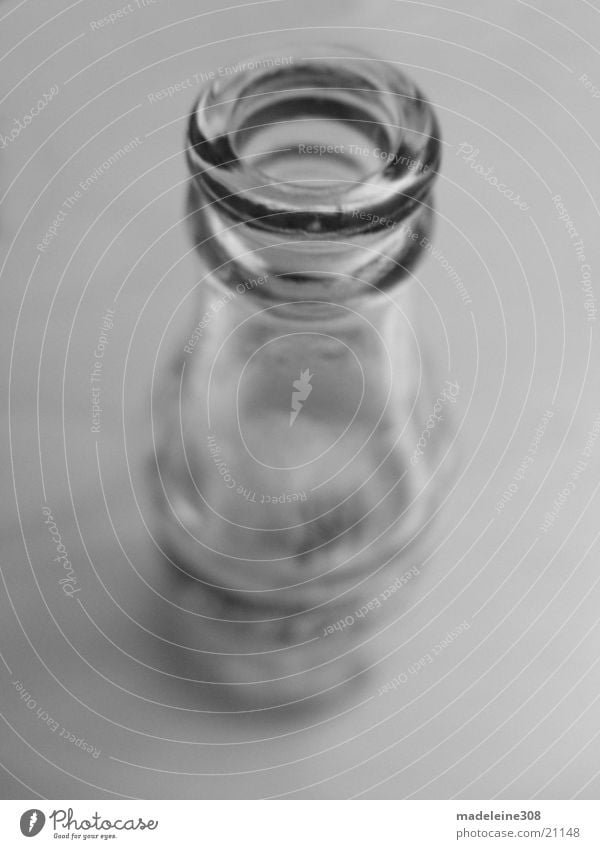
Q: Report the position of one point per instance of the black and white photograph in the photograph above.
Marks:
(300, 421)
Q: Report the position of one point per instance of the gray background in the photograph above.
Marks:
(509, 709)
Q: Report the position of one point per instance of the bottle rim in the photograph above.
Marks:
(317, 83)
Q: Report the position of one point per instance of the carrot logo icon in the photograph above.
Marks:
(302, 389)
(32, 822)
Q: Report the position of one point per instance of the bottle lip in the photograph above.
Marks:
(332, 79)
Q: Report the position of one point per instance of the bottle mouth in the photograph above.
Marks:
(314, 144)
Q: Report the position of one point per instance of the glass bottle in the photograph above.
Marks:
(291, 495)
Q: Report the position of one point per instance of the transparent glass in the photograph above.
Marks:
(290, 496)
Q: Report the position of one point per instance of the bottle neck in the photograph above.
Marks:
(317, 174)
(339, 269)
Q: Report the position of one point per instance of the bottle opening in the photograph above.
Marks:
(303, 145)
(329, 150)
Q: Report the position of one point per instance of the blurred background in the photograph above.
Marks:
(91, 699)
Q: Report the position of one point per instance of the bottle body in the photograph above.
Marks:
(289, 495)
